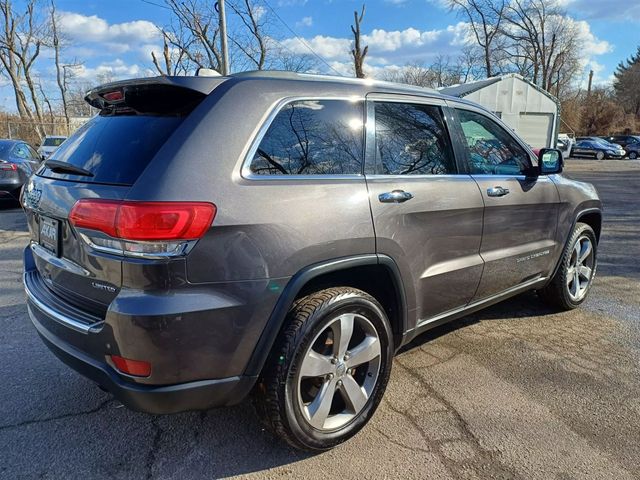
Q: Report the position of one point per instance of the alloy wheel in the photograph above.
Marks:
(339, 372)
(580, 271)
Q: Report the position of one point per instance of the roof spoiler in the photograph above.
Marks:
(152, 95)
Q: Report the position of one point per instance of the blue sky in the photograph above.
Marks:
(116, 36)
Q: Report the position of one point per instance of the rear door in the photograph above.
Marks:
(583, 149)
(427, 216)
(521, 208)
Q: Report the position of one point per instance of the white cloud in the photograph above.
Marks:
(115, 70)
(291, 3)
(388, 47)
(259, 11)
(304, 22)
(117, 38)
(603, 9)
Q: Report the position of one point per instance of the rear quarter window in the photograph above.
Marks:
(312, 137)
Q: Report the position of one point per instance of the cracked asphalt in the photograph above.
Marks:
(513, 392)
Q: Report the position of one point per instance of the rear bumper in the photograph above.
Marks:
(9, 186)
(198, 395)
(198, 340)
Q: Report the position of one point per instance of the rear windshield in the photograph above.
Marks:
(52, 142)
(114, 148)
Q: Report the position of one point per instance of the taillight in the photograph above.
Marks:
(8, 166)
(141, 228)
(114, 96)
(138, 368)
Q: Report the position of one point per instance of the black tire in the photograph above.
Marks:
(600, 156)
(633, 155)
(557, 292)
(276, 396)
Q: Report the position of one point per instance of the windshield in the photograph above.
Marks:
(53, 142)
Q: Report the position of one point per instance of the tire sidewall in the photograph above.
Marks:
(600, 156)
(580, 230)
(304, 433)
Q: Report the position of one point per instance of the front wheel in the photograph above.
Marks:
(328, 370)
(600, 155)
(633, 155)
(571, 283)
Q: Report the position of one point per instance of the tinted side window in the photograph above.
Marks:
(313, 137)
(21, 150)
(411, 139)
(492, 150)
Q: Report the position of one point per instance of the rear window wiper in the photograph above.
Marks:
(64, 167)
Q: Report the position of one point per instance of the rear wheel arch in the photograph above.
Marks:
(377, 275)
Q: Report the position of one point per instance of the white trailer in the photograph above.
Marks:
(533, 113)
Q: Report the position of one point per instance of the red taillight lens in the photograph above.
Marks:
(96, 215)
(114, 96)
(148, 221)
(8, 166)
(164, 221)
(139, 368)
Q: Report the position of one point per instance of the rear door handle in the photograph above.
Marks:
(395, 196)
(497, 191)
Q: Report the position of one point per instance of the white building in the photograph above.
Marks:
(533, 113)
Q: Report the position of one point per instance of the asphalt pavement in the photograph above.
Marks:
(514, 391)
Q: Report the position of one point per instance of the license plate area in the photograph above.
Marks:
(50, 234)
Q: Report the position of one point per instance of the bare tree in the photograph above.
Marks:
(485, 19)
(357, 52)
(544, 44)
(251, 41)
(61, 71)
(20, 46)
(443, 72)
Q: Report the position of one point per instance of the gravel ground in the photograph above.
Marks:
(515, 391)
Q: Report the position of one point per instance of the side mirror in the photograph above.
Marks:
(550, 161)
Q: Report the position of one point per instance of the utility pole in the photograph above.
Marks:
(590, 82)
(223, 38)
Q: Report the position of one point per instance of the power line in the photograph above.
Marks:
(301, 40)
(155, 4)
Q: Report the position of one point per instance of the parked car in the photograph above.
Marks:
(632, 150)
(204, 237)
(630, 143)
(564, 144)
(18, 160)
(598, 150)
(49, 145)
(623, 140)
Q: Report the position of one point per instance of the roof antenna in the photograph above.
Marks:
(207, 72)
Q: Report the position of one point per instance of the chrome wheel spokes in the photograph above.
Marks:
(580, 270)
(339, 372)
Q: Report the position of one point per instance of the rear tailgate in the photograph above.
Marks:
(74, 272)
(101, 160)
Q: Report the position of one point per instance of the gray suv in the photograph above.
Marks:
(284, 234)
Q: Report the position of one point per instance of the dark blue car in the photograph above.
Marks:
(18, 160)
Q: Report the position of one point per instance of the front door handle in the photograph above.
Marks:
(497, 191)
(396, 196)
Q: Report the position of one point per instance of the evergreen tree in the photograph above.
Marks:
(627, 84)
